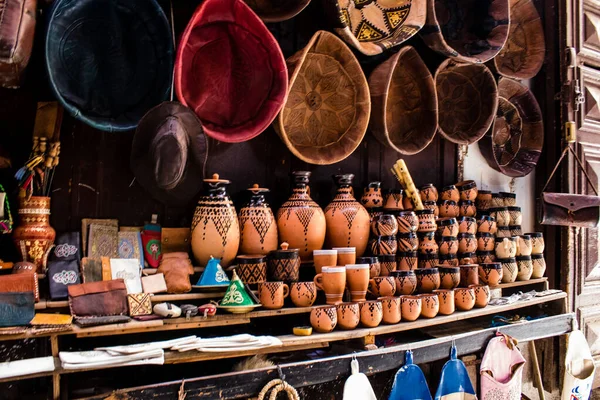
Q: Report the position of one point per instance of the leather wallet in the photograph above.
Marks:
(139, 304)
(177, 269)
(67, 247)
(98, 299)
(20, 283)
(91, 269)
(61, 274)
(16, 308)
(154, 283)
(175, 240)
(51, 319)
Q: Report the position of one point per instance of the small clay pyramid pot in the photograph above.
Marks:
(236, 299)
(258, 228)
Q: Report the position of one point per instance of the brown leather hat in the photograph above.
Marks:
(277, 10)
(404, 112)
(169, 152)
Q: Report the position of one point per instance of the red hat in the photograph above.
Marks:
(230, 71)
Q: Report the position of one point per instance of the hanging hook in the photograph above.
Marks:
(354, 356)
(281, 374)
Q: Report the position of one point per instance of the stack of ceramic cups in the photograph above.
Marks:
(467, 224)
(537, 254)
(428, 248)
(499, 210)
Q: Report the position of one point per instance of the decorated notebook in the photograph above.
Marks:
(102, 241)
(130, 245)
(129, 270)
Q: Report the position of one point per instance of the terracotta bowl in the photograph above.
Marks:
(391, 309)
(490, 273)
(406, 282)
(446, 300)
(323, 319)
(428, 279)
(430, 305)
(449, 277)
(410, 307)
(469, 275)
(371, 313)
(464, 298)
(482, 295)
(348, 315)
(303, 294)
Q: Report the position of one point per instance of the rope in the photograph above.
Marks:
(278, 385)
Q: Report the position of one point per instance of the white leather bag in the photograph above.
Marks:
(579, 368)
(358, 387)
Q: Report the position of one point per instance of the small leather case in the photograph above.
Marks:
(20, 283)
(16, 308)
(177, 269)
(51, 319)
(97, 299)
(67, 247)
(61, 274)
(139, 304)
(154, 283)
(176, 240)
(91, 269)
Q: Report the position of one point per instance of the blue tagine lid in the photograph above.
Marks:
(455, 380)
(409, 382)
(213, 276)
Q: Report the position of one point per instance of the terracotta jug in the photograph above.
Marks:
(300, 221)
(215, 228)
(348, 222)
(258, 229)
(372, 198)
(34, 236)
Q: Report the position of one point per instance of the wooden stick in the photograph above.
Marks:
(536, 371)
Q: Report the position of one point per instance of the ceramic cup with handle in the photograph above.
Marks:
(332, 280)
(506, 247)
(524, 245)
(272, 294)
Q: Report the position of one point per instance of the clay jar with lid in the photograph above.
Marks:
(372, 198)
(449, 277)
(342, 231)
(427, 243)
(448, 245)
(384, 225)
(490, 273)
(374, 265)
(407, 222)
(451, 193)
(300, 221)
(392, 200)
(469, 275)
(252, 268)
(258, 228)
(215, 227)
(428, 279)
(284, 264)
(428, 192)
(407, 260)
(449, 209)
(468, 190)
(426, 221)
(406, 282)
(484, 200)
(464, 298)
(486, 224)
(447, 227)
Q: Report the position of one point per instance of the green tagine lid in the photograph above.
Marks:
(236, 295)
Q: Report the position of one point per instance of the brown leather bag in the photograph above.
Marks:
(97, 299)
(177, 269)
(26, 282)
(566, 209)
(17, 28)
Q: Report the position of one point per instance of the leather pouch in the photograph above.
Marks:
(20, 283)
(98, 299)
(175, 240)
(139, 304)
(51, 319)
(154, 283)
(87, 322)
(565, 209)
(62, 274)
(16, 308)
(177, 269)
(91, 269)
(67, 247)
(17, 28)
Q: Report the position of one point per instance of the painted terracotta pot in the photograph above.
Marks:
(467, 243)
(468, 190)
(524, 245)
(324, 258)
(430, 305)
(484, 200)
(428, 193)
(300, 221)
(508, 199)
(428, 279)
(323, 319)
(374, 265)
(407, 241)
(303, 294)
(539, 266)
(490, 273)
(392, 200)
(451, 193)
(514, 213)
(467, 258)
(215, 227)
(388, 264)
(467, 225)
(501, 214)
(509, 269)
(258, 228)
(332, 280)
(406, 282)
(482, 295)
(384, 225)
(537, 242)
(485, 242)
(432, 205)
(503, 231)
(446, 301)
(497, 201)
(524, 267)
(515, 230)
(464, 298)
(357, 278)
(371, 313)
(407, 203)
(486, 224)
(283, 264)
(272, 294)
(449, 209)
(384, 245)
(426, 221)
(484, 257)
(447, 227)
(506, 247)
(410, 307)
(428, 261)
(345, 255)
(469, 275)
(467, 208)
(407, 260)
(407, 221)
(427, 243)
(449, 260)
(372, 197)
(448, 245)
(34, 237)
(382, 286)
(252, 269)
(391, 309)
(449, 277)
(348, 315)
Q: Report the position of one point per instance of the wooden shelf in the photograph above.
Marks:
(152, 271)
(515, 284)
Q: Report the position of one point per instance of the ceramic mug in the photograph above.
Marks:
(467, 243)
(348, 315)
(407, 260)
(428, 260)
(407, 241)
(503, 231)
(490, 273)
(482, 295)
(388, 264)
(449, 277)
(467, 225)
(449, 260)
(391, 309)
(502, 216)
(426, 220)
(447, 227)
(467, 208)
(428, 193)
(467, 258)
(497, 200)
(514, 213)
(272, 294)
(406, 282)
(371, 313)
(537, 242)
(427, 243)
(357, 278)
(345, 255)
(384, 225)
(446, 301)
(524, 268)
(393, 200)
(485, 242)
(484, 200)
(407, 221)
(464, 298)
(506, 247)
(430, 305)
(382, 286)
(332, 280)
(432, 205)
(486, 224)
(468, 190)
(410, 307)
(484, 257)
(509, 269)
(384, 245)
(524, 245)
(323, 319)
(303, 294)
(539, 265)
(448, 209)
(508, 199)
(374, 265)
(515, 230)
(450, 192)
(469, 275)
(428, 279)
(448, 245)
(324, 258)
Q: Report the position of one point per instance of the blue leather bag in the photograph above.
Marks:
(409, 382)
(455, 380)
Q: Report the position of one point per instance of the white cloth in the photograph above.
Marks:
(142, 347)
(11, 369)
(580, 368)
(130, 270)
(357, 386)
(96, 359)
(230, 343)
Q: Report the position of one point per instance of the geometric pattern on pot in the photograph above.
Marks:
(277, 10)
(514, 144)
(373, 26)
(327, 111)
(230, 70)
(404, 106)
(109, 61)
(523, 54)
(467, 100)
(472, 31)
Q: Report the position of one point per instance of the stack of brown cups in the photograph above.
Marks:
(407, 255)
(428, 248)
